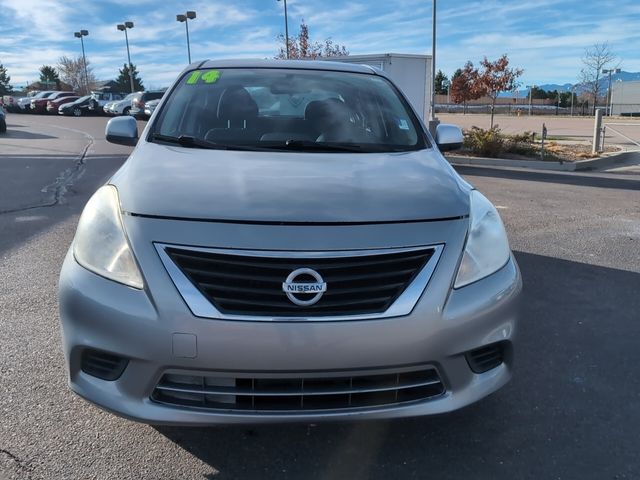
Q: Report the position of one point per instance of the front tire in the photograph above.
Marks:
(126, 111)
(77, 112)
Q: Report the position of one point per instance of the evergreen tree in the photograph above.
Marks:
(538, 94)
(124, 84)
(49, 76)
(441, 83)
(5, 88)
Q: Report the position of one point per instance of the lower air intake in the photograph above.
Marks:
(102, 365)
(486, 358)
(298, 393)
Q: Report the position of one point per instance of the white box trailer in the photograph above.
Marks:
(625, 98)
(412, 73)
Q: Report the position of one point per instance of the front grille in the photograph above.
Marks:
(102, 365)
(298, 394)
(486, 358)
(252, 285)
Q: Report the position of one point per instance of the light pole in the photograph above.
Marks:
(80, 34)
(190, 15)
(609, 71)
(530, 87)
(573, 93)
(433, 120)
(286, 27)
(123, 28)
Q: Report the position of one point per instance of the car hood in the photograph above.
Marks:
(290, 187)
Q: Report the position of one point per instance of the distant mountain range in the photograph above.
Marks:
(604, 84)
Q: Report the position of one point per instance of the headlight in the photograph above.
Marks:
(487, 248)
(100, 244)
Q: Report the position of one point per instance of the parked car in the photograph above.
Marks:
(122, 107)
(77, 108)
(258, 259)
(54, 105)
(107, 107)
(3, 121)
(9, 102)
(24, 104)
(139, 100)
(150, 107)
(39, 105)
(100, 99)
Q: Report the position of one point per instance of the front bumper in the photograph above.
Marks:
(100, 314)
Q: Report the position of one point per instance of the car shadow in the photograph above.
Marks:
(575, 382)
(22, 135)
(569, 178)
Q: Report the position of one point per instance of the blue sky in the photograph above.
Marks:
(545, 37)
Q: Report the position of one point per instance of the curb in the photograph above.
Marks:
(581, 165)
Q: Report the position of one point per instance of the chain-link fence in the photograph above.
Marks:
(616, 110)
(508, 109)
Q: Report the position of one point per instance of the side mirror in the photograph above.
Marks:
(449, 137)
(123, 131)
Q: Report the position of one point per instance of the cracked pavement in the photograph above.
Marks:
(42, 159)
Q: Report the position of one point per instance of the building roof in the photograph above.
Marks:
(105, 85)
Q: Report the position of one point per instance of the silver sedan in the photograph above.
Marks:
(287, 243)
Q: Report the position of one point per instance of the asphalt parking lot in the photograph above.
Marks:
(572, 410)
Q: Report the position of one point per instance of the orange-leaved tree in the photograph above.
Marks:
(300, 47)
(496, 77)
(464, 85)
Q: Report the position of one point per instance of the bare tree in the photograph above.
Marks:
(496, 77)
(595, 58)
(72, 72)
(301, 47)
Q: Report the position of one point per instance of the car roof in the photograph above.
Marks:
(295, 64)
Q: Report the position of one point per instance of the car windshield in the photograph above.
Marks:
(288, 109)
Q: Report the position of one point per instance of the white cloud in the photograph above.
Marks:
(546, 37)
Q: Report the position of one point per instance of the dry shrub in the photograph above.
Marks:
(486, 143)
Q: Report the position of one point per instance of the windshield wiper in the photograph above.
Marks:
(188, 141)
(307, 145)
